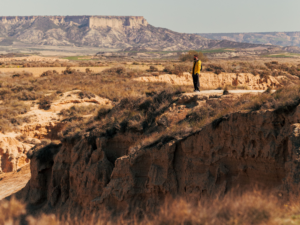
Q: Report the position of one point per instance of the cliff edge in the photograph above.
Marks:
(238, 151)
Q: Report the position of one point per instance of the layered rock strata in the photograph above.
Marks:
(12, 154)
(212, 80)
(240, 150)
(107, 32)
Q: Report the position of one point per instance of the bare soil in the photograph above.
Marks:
(11, 183)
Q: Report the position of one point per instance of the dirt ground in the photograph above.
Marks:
(37, 71)
(10, 183)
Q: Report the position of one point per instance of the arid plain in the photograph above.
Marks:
(121, 140)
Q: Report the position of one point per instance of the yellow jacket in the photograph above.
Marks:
(197, 67)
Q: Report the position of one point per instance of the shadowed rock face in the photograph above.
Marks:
(237, 151)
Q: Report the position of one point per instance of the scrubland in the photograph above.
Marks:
(162, 117)
(150, 114)
(21, 90)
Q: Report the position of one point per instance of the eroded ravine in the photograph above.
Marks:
(44, 125)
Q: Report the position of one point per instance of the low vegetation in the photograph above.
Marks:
(75, 111)
(273, 68)
(248, 208)
(189, 56)
(26, 64)
(19, 92)
(150, 119)
(116, 83)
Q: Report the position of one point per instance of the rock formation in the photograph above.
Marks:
(43, 125)
(115, 32)
(12, 154)
(107, 32)
(274, 38)
(239, 150)
(213, 81)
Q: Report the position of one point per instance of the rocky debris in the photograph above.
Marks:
(237, 151)
(212, 81)
(12, 154)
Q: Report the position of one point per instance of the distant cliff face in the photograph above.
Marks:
(274, 38)
(112, 32)
(92, 21)
(117, 22)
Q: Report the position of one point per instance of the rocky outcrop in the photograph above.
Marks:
(240, 150)
(12, 154)
(45, 130)
(91, 21)
(107, 32)
(114, 32)
(212, 80)
(117, 22)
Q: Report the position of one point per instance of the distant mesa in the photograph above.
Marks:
(266, 38)
(91, 21)
(127, 33)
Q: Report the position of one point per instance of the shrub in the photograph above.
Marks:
(68, 70)
(88, 70)
(86, 94)
(28, 95)
(152, 69)
(78, 110)
(45, 102)
(189, 56)
(49, 73)
(216, 68)
(177, 69)
(264, 74)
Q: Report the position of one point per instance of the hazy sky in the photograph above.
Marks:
(191, 16)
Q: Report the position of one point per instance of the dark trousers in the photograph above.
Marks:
(196, 82)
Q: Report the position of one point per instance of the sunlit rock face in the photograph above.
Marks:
(236, 152)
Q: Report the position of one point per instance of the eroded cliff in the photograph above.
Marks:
(239, 150)
(114, 32)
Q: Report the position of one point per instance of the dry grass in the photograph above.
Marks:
(19, 92)
(38, 71)
(234, 209)
(152, 124)
(264, 69)
(76, 111)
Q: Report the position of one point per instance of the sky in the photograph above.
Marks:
(188, 16)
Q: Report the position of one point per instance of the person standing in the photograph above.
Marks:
(196, 73)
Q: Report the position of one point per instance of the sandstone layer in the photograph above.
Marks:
(12, 154)
(212, 80)
(240, 150)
